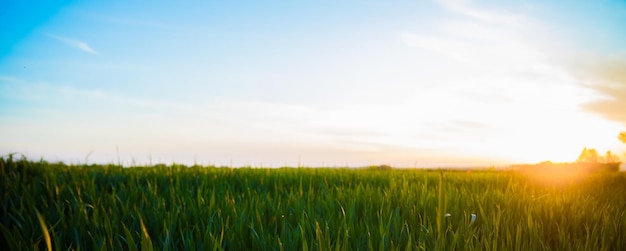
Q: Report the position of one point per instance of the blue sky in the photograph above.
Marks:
(273, 83)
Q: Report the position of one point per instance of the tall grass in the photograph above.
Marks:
(106, 207)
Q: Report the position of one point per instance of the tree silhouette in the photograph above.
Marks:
(589, 156)
(609, 157)
(622, 137)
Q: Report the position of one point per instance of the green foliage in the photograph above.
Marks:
(76, 207)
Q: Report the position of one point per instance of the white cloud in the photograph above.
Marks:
(74, 43)
(480, 45)
(464, 8)
(495, 53)
(124, 21)
(447, 47)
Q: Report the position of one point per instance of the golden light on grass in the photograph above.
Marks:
(565, 173)
(555, 173)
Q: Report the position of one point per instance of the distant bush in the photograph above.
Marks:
(383, 167)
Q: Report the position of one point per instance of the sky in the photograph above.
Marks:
(312, 83)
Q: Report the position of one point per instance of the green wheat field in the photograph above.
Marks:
(106, 207)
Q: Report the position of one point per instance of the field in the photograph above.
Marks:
(107, 207)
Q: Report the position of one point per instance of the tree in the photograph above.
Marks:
(622, 137)
(609, 157)
(589, 156)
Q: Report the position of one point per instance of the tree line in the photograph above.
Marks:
(591, 155)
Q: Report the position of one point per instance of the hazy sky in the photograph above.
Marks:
(271, 83)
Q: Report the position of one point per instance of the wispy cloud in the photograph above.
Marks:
(501, 40)
(445, 46)
(74, 43)
(608, 78)
(124, 21)
(505, 73)
(464, 7)
(479, 37)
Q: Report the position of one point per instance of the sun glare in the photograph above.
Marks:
(555, 174)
